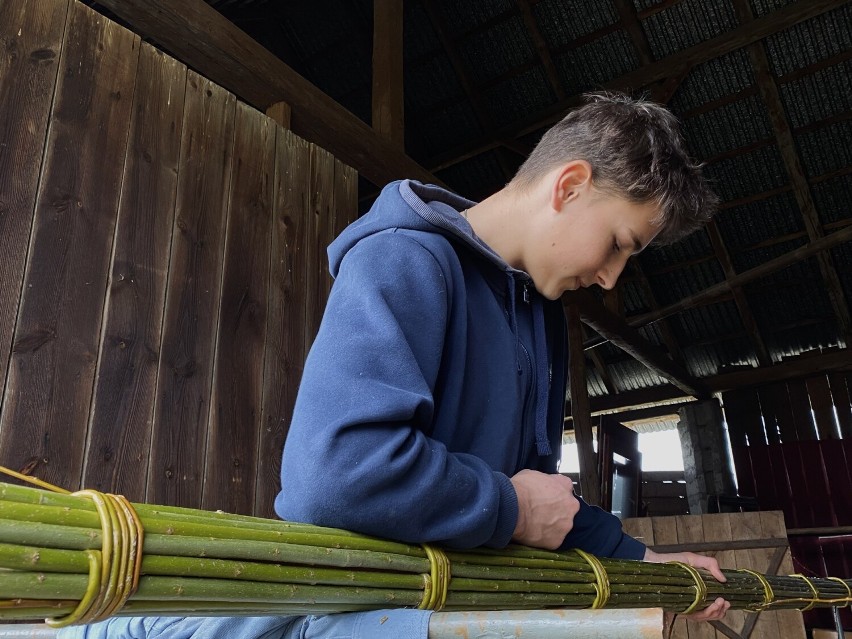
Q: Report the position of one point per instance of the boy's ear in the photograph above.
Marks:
(573, 179)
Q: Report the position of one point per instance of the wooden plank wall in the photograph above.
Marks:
(162, 267)
(689, 532)
(792, 447)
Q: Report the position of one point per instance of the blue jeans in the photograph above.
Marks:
(378, 624)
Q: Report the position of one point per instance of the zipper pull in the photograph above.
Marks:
(526, 292)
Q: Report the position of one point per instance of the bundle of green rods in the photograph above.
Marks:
(195, 563)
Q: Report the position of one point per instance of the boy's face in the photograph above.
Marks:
(588, 241)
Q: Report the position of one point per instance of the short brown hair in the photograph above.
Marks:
(636, 152)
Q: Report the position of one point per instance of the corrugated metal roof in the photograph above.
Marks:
(726, 75)
(816, 97)
(593, 64)
(732, 126)
(810, 41)
(755, 222)
(461, 17)
(826, 149)
(517, 97)
(674, 285)
(746, 174)
(563, 21)
(687, 23)
(694, 245)
(478, 51)
(833, 198)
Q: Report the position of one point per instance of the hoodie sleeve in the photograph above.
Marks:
(599, 533)
(357, 456)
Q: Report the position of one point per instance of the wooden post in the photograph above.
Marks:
(590, 482)
(387, 71)
(280, 112)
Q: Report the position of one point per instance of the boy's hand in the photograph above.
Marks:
(718, 608)
(546, 509)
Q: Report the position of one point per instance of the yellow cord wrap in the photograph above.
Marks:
(768, 595)
(601, 579)
(700, 587)
(114, 569)
(437, 583)
(813, 590)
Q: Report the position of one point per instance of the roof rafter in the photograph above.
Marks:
(541, 48)
(737, 38)
(724, 288)
(480, 109)
(628, 339)
(197, 34)
(796, 172)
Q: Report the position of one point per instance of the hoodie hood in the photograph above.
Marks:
(408, 204)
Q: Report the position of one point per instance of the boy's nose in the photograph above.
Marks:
(608, 276)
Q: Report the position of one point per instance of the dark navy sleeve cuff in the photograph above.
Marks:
(629, 548)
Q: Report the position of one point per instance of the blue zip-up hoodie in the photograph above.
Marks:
(429, 385)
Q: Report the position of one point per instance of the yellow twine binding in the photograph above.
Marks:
(700, 587)
(768, 594)
(114, 569)
(437, 583)
(601, 579)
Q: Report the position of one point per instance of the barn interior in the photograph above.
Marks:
(173, 171)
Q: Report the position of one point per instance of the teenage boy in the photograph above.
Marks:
(431, 404)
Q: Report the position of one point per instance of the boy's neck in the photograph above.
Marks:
(501, 221)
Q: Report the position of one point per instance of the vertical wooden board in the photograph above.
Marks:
(49, 385)
(768, 410)
(742, 414)
(838, 471)
(748, 526)
(690, 530)
(744, 471)
(780, 398)
(822, 406)
(31, 33)
(764, 481)
(123, 405)
(840, 394)
(799, 511)
(640, 528)
(790, 623)
(192, 296)
(818, 487)
(319, 221)
(665, 530)
(235, 405)
(284, 350)
(800, 404)
(717, 527)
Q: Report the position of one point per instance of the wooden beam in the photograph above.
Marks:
(541, 48)
(388, 112)
(665, 328)
(700, 53)
(628, 339)
(793, 164)
(631, 24)
(480, 109)
(746, 316)
(590, 481)
(724, 288)
(794, 368)
(199, 36)
(280, 112)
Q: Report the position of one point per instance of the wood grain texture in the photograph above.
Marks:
(125, 387)
(49, 386)
(748, 526)
(31, 39)
(317, 234)
(192, 300)
(284, 350)
(235, 417)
